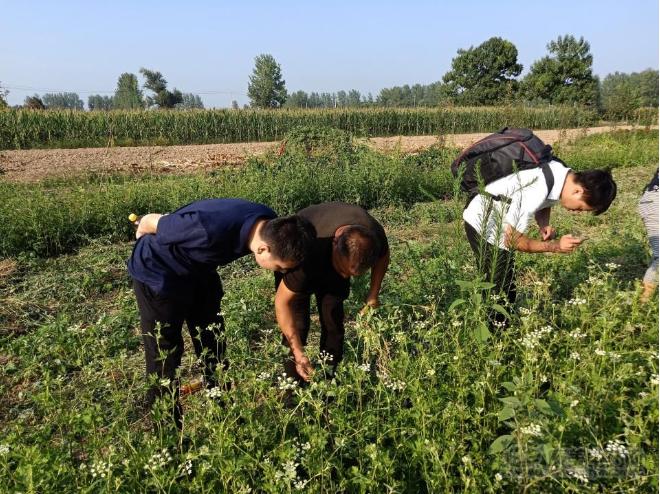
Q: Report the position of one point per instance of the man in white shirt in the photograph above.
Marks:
(496, 221)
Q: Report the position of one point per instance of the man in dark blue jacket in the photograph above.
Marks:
(174, 269)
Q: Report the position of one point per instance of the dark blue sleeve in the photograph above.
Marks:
(184, 228)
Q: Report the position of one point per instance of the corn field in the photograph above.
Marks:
(22, 129)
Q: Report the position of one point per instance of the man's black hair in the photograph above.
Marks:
(599, 189)
(290, 238)
(360, 246)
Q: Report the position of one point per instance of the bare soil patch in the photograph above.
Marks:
(37, 164)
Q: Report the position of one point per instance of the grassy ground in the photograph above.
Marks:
(564, 400)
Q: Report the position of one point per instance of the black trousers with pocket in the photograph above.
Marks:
(497, 265)
(330, 305)
(161, 321)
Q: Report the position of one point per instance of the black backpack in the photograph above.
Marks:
(501, 154)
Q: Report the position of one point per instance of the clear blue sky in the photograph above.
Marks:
(209, 46)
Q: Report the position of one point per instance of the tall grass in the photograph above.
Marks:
(23, 129)
(54, 217)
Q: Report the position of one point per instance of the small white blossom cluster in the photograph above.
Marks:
(214, 392)
(325, 357)
(596, 453)
(531, 340)
(577, 301)
(579, 474)
(577, 334)
(616, 447)
(4, 449)
(286, 383)
(366, 367)
(264, 376)
(158, 460)
(186, 467)
(531, 430)
(400, 337)
(76, 329)
(498, 477)
(288, 471)
(613, 355)
(99, 469)
(466, 460)
(654, 380)
(575, 403)
(391, 383)
(574, 356)
(524, 311)
(612, 265)
(595, 280)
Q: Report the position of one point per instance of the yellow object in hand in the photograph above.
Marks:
(132, 217)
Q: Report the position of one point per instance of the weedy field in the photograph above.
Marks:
(426, 400)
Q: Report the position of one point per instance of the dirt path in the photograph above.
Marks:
(36, 164)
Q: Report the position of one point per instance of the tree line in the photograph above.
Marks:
(485, 75)
(128, 96)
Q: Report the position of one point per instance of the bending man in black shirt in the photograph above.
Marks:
(349, 242)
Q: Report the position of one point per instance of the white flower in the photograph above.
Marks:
(574, 356)
(4, 449)
(366, 367)
(596, 453)
(577, 334)
(574, 403)
(165, 381)
(580, 474)
(288, 471)
(325, 357)
(616, 447)
(391, 383)
(544, 379)
(100, 469)
(615, 356)
(456, 323)
(531, 430)
(214, 392)
(524, 311)
(654, 380)
(264, 376)
(158, 460)
(532, 339)
(465, 459)
(186, 467)
(285, 383)
(600, 352)
(612, 265)
(430, 372)
(577, 301)
(498, 477)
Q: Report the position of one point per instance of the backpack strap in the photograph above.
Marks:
(549, 177)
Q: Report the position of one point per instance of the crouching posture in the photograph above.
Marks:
(174, 270)
(349, 242)
(523, 180)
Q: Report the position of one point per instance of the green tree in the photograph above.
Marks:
(97, 102)
(3, 97)
(65, 101)
(622, 93)
(162, 98)
(190, 102)
(298, 99)
(34, 103)
(484, 75)
(128, 95)
(266, 88)
(564, 76)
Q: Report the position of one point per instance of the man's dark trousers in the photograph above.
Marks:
(496, 264)
(331, 316)
(161, 320)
